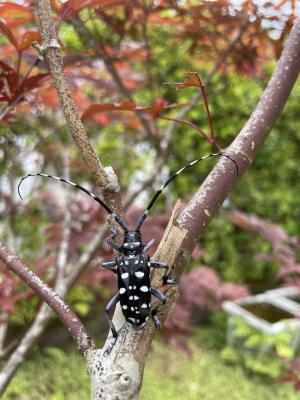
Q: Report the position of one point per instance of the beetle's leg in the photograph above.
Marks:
(148, 245)
(166, 278)
(114, 245)
(161, 297)
(112, 230)
(111, 265)
(114, 332)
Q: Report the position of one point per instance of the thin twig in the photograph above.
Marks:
(62, 256)
(3, 329)
(8, 348)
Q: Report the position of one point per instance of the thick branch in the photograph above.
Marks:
(132, 348)
(66, 315)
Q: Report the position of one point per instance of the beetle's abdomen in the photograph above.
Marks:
(134, 288)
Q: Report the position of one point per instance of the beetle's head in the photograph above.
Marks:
(133, 241)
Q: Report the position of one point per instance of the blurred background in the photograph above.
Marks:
(124, 51)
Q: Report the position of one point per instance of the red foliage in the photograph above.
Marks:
(201, 290)
(209, 27)
(15, 14)
(194, 80)
(153, 110)
(72, 7)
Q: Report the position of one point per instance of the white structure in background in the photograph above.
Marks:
(271, 312)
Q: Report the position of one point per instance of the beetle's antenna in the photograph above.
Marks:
(154, 198)
(96, 198)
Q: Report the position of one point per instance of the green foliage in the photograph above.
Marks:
(259, 352)
(55, 376)
(25, 311)
(70, 39)
(169, 375)
(81, 300)
(213, 335)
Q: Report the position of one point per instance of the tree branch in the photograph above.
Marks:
(123, 368)
(66, 315)
(51, 51)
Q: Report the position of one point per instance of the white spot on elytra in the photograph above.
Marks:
(136, 297)
(122, 290)
(144, 305)
(144, 289)
(139, 274)
(125, 275)
(130, 297)
(130, 287)
(124, 307)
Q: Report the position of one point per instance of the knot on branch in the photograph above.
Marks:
(114, 381)
(52, 44)
(113, 184)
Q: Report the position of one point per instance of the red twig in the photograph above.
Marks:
(182, 121)
(194, 80)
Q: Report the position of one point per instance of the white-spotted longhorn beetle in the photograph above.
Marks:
(133, 264)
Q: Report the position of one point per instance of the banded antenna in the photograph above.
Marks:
(75, 185)
(156, 195)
